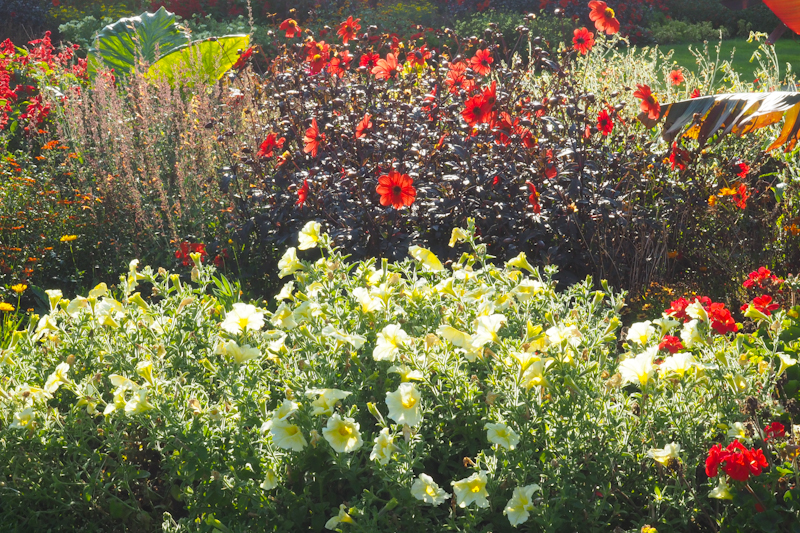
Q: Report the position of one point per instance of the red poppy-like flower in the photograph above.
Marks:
(271, 143)
(761, 278)
(649, 103)
(671, 344)
(313, 138)
(604, 122)
(396, 189)
(776, 430)
(676, 77)
(583, 40)
(365, 124)
(385, 68)
(418, 56)
(695, 93)
(348, 29)
(242, 61)
(477, 110)
(302, 193)
(678, 157)
(290, 27)
(457, 78)
(603, 17)
(480, 62)
(741, 169)
(533, 199)
(369, 60)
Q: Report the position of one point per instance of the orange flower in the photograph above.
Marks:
(583, 40)
(385, 68)
(396, 189)
(365, 124)
(313, 138)
(480, 62)
(603, 17)
(676, 77)
(290, 27)
(348, 29)
(740, 199)
(649, 103)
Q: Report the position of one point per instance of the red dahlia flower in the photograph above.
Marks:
(290, 27)
(480, 62)
(741, 196)
(348, 29)
(313, 138)
(418, 56)
(302, 193)
(269, 145)
(678, 157)
(365, 124)
(676, 77)
(603, 17)
(242, 61)
(396, 189)
(604, 122)
(369, 60)
(533, 199)
(583, 40)
(649, 103)
(550, 167)
(695, 93)
(385, 68)
(741, 169)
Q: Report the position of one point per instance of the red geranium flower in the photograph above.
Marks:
(603, 17)
(741, 169)
(302, 193)
(760, 277)
(365, 124)
(269, 145)
(741, 196)
(696, 93)
(385, 68)
(671, 344)
(649, 103)
(604, 122)
(290, 27)
(763, 303)
(313, 138)
(583, 40)
(396, 189)
(187, 248)
(735, 460)
(676, 77)
(348, 29)
(369, 60)
(774, 431)
(720, 318)
(533, 199)
(480, 62)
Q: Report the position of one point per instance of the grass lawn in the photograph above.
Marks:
(788, 52)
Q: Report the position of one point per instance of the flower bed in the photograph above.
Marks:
(392, 396)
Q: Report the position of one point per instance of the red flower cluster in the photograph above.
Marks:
(762, 303)
(776, 430)
(533, 199)
(187, 248)
(671, 344)
(718, 316)
(317, 55)
(678, 157)
(762, 278)
(480, 108)
(736, 461)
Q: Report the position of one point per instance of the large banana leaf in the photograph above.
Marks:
(118, 45)
(211, 58)
(738, 113)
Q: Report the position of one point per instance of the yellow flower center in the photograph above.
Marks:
(609, 12)
(345, 431)
(292, 430)
(243, 322)
(429, 490)
(475, 488)
(409, 402)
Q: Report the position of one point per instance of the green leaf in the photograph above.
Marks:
(119, 45)
(211, 58)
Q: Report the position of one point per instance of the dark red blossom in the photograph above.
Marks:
(457, 78)
(369, 60)
(313, 138)
(678, 157)
(533, 199)
(243, 58)
(763, 304)
(740, 168)
(396, 189)
(736, 461)
(419, 56)
(762, 278)
(187, 248)
(302, 193)
(604, 122)
(695, 93)
(720, 318)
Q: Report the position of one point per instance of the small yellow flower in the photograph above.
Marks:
(342, 434)
(342, 518)
(4, 306)
(426, 490)
(289, 263)
(667, 454)
(287, 436)
(384, 447)
(427, 259)
(404, 405)
(309, 235)
(389, 341)
(456, 236)
(19, 288)
(326, 400)
(502, 434)
(521, 503)
(472, 489)
(68, 238)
